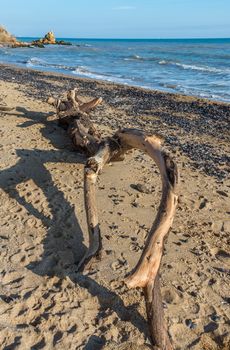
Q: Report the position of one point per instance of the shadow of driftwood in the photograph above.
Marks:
(95, 343)
(63, 229)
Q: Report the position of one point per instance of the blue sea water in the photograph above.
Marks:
(199, 67)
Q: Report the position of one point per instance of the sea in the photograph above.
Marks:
(198, 67)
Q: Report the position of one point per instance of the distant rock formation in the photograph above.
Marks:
(49, 39)
(7, 39)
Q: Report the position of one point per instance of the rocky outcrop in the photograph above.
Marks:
(49, 39)
(7, 39)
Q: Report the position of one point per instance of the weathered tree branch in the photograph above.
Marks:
(148, 265)
(72, 114)
(146, 273)
(155, 314)
(107, 150)
(73, 103)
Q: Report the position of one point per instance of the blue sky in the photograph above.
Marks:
(117, 19)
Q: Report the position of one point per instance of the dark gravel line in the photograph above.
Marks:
(195, 127)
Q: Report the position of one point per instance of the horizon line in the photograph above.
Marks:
(101, 38)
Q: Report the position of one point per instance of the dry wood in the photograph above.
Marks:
(148, 265)
(146, 273)
(155, 314)
(93, 167)
(72, 113)
(72, 103)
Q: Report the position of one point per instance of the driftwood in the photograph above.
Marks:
(73, 115)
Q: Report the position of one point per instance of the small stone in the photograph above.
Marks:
(141, 188)
(214, 317)
(190, 324)
(211, 281)
(210, 327)
(205, 204)
(222, 193)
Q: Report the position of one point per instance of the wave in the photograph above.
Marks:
(85, 72)
(140, 58)
(38, 62)
(163, 62)
(80, 70)
(169, 86)
(134, 57)
(201, 68)
(178, 64)
(194, 67)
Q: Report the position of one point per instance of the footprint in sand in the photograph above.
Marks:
(170, 296)
(12, 278)
(120, 264)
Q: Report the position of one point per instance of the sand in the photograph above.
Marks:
(44, 302)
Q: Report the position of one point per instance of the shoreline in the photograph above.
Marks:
(146, 89)
(194, 126)
(113, 84)
(46, 302)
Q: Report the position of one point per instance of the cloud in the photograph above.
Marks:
(123, 8)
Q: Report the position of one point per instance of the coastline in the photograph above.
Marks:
(199, 74)
(44, 302)
(161, 112)
(81, 80)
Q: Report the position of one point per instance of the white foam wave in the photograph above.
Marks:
(200, 68)
(83, 71)
(194, 67)
(134, 58)
(38, 62)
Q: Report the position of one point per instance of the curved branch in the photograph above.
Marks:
(149, 263)
(87, 106)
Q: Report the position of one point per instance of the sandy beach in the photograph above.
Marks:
(44, 302)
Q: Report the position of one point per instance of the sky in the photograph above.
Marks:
(117, 19)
